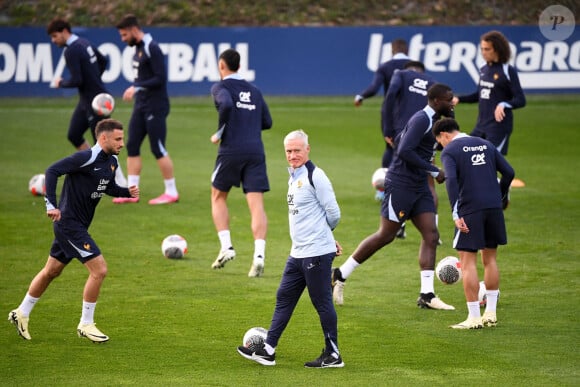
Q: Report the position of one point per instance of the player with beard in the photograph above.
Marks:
(407, 196)
(150, 111)
(90, 175)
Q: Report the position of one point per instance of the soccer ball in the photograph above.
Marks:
(448, 270)
(378, 179)
(103, 104)
(36, 185)
(254, 338)
(174, 246)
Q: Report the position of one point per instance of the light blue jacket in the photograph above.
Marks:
(312, 212)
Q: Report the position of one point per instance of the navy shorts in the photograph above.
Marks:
(70, 242)
(82, 119)
(486, 230)
(248, 170)
(402, 204)
(144, 123)
(499, 138)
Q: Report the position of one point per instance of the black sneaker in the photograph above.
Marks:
(401, 234)
(259, 356)
(336, 275)
(325, 360)
(430, 301)
(424, 300)
(337, 283)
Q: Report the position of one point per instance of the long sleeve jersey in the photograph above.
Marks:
(471, 165)
(86, 65)
(242, 115)
(382, 76)
(414, 149)
(90, 175)
(150, 76)
(313, 212)
(498, 84)
(407, 94)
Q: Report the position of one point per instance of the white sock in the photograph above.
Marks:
(27, 304)
(133, 180)
(170, 188)
(427, 277)
(269, 349)
(348, 267)
(120, 177)
(88, 315)
(473, 308)
(225, 239)
(491, 296)
(259, 248)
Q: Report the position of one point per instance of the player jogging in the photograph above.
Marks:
(90, 176)
(242, 115)
(407, 196)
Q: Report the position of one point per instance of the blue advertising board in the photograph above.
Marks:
(294, 60)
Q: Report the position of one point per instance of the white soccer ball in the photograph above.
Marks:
(448, 270)
(378, 179)
(174, 246)
(36, 185)
(103, 104)
(254, 338)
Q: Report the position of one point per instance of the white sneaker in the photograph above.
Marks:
(489, 319)
(257, 268)
(21, 323)
(337, 286)
(433, 303)
(91, 332)
(223, 257)
(338, 292)
(470, 323)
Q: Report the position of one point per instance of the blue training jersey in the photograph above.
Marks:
(471, 165)
(414, 149)
(90, 175)
(383, 76)
(498, 83)
(86, 65)
(406, 95)
(150, 76)
(242, 115)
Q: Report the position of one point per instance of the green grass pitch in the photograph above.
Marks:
(178, 322)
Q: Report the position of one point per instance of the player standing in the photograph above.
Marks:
(498, 92)
(90, 175)
(471, 165)
(150, 111)
(242, 115)
(313, 213)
